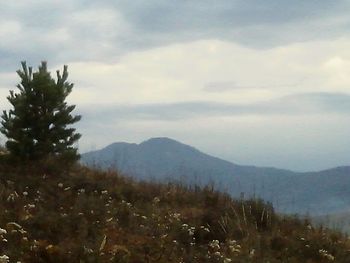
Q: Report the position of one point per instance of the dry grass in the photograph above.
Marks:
(92, 216)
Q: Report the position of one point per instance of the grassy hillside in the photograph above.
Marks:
(93, 216)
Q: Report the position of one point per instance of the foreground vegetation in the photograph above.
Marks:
(93, 216)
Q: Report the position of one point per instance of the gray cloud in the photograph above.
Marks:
(300, 104)
(253, 23)
(61, 32)
(183, 15)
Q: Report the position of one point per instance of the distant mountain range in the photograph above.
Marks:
(164, 159)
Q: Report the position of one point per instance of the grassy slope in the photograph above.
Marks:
(93, 216)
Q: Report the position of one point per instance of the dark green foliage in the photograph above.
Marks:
(36, 126)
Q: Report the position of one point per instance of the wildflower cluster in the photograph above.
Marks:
(3, 258)
(324, 253)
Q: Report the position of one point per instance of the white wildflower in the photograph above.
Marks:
(326, 255)
(30, 206)
(214, 244)
(234, 247)
(4, 259)
(156, 200)
(184, 226)
(191, 230)
(176, 216)
(12, 197)
(2, 231)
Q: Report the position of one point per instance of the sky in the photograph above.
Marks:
(263, 83)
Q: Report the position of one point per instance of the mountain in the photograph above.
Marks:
(164, 159)
(339, 221)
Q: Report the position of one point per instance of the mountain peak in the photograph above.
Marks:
(160, 140)
(167, 144)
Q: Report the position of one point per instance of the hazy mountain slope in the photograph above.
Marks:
(165, 159)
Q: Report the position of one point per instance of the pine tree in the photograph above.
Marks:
(36, 126)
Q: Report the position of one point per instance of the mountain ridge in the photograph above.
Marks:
(165, 159)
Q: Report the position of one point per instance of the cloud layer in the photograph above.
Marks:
(103, 30)
(295, 105)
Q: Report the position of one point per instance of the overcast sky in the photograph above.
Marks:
(255, 82)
